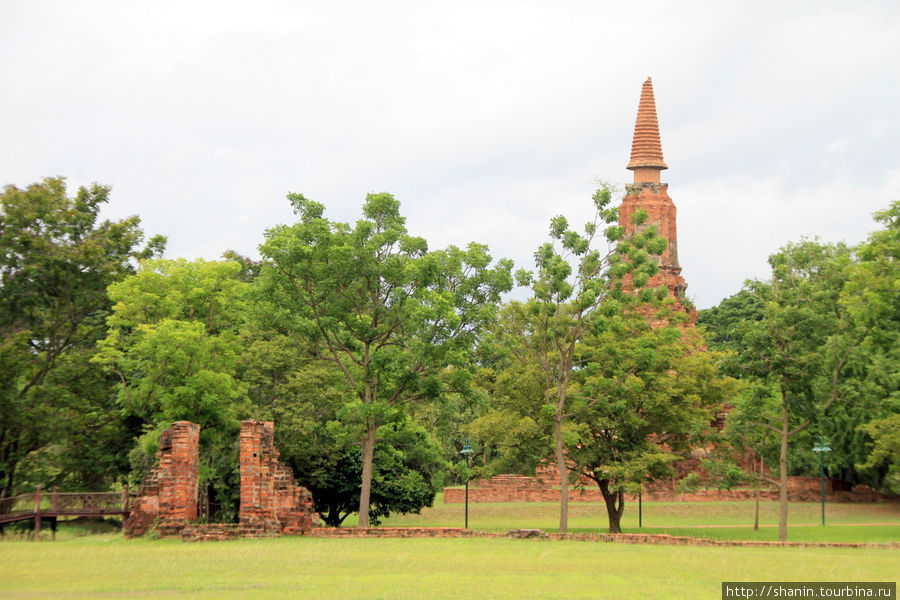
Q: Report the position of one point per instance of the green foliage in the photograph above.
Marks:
(579, 289)
(822, 339)
(304, 396)
(648, 395)
(885, 456)
(819, 345)
(398, 321)
(174, 341)
(725, 325)
(56, 260)
(871, 298)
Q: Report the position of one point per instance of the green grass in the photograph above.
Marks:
(845, 522)
(83, 563)
(107, 566)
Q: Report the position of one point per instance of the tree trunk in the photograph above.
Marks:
(368, 452)
(10, 471)
(563, 474)
(333, 517)
(756, 511)
(615, 506)
(758, 494)
(782, 473)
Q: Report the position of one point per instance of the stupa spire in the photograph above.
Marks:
(646, 148)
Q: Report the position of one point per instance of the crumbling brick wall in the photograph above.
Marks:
(270, 496)
(271, 500)
(168, 496)
(521, 488)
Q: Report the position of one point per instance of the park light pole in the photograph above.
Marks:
(822, 447)
(467, 452)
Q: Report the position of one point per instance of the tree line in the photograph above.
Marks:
(379, 358)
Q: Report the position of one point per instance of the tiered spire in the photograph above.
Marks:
(646, 148)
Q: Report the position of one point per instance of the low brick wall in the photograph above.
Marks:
(391, 532)
(520, 488)
(672, 540)
(620, 538)
(222, 531)
(229, 531)
(517, 494)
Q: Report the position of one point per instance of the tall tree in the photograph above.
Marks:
(575, 287)
(303, 396)
(797, 353)
(174, 342)
(398, 321)
(834, 313)
(872, 298)
(56, 260)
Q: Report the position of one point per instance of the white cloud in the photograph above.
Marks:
(484, 119)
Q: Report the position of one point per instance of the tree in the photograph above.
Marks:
(303, 396)
(577, 287)
(842, 303)
(885, 455)
(398, 321)
(797, 354)
(56, 260)
(725, 324)
(872, 298)
(647, 395)
(174, 340)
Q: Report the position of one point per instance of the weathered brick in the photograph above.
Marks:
(271, 501)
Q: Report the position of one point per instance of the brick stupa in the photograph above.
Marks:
(648, 193)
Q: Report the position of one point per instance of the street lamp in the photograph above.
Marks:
(822, 447)
(467, 452)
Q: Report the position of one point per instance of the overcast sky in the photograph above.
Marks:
(485, 119)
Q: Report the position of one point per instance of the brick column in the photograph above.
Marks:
(179, 471)
(257, 451)
(168, 495)
(270, 497)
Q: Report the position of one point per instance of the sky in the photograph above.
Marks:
(779, 119)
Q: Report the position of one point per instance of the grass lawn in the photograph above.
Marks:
(845, 522)
(107, 566)
(86, 564)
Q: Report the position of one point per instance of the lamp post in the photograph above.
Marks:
(822, 447)
(467, 452)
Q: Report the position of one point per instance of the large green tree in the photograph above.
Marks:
(398, 321)
(174, 343)
(56, 260)
(871, 296)
(796, 355)
(577, 286)
(817, 342)
(304, 396)
(647, 397)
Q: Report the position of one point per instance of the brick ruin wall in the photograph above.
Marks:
(270, 496)
(544, 488)
(168, 496)
(271, 501)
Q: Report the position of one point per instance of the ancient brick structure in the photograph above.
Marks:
(649, 193)
(521, 488)
(271, 501)
(270, 497)
(168, 497)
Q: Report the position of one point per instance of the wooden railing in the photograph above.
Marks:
(40, 505)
